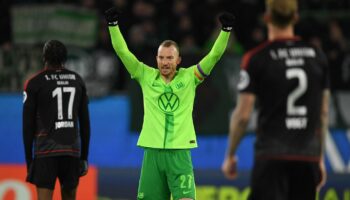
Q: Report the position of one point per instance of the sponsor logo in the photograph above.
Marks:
(186, 192)
(141, 195)
(168, 102)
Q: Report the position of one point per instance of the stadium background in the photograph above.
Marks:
(115, 100)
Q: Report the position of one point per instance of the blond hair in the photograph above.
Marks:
(168, 43)
(282, 12)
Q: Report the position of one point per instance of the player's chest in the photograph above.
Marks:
(178, 90)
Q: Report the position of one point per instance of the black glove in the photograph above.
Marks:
(83, 167)
(112, 16)
(227, 21)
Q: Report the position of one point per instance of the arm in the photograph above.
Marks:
(84, 124)
(120, 47)
(238, 124)
(28, 120)
(129, 60)
(324, 131)
(208, 62)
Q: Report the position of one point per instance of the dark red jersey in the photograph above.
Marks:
(288, 77)
(55, 115)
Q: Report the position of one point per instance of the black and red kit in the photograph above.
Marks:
(55, 115)
(288, 77)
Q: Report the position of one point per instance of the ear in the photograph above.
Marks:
(179, 59)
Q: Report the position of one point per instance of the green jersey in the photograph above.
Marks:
(168, 107)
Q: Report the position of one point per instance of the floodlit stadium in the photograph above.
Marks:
(116, 100)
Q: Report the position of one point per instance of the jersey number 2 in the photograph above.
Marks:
(293, 109)
(58, 92)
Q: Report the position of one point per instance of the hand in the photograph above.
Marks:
(112, 16)
(227, 21)
(30, 169)
(29, 163)
(229, 167)
(323, 175)
(83, 167)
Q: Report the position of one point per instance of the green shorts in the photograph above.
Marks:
(165, 173)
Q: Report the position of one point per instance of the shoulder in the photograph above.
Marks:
(317, 52)
(145, 74)
(150, 71)
(30, 82)
(253, 54)
(186, 72)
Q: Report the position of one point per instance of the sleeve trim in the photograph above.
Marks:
(198, 75)
(201, 71)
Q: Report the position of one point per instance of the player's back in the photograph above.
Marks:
(288, 79)
(58, 94)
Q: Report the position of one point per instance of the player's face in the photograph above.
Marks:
(167, 60)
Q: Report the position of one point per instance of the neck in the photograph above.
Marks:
(168, 78)
(275, 32)
(50, 66)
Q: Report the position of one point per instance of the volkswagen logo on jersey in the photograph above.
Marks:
(168, 102)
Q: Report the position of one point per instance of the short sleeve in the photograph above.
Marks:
(247, 75)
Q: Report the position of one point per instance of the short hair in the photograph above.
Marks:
(54, 53)
(169, 43)
(282, 11)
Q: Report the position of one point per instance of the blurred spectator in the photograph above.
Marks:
(90, 4)
(257, 36)
(336, 48)
(5, 24)
(146, 21)
(143, 11)
(188, 45)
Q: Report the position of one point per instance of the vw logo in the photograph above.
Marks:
(168, 102)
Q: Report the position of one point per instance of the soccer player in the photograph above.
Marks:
(56, 122)
(168, 94)
(289, 80)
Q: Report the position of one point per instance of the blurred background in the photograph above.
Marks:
(116, 107)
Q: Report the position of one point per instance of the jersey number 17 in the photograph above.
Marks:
(58, 92)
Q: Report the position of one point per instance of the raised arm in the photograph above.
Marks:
(119, 45)
(208, 62)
